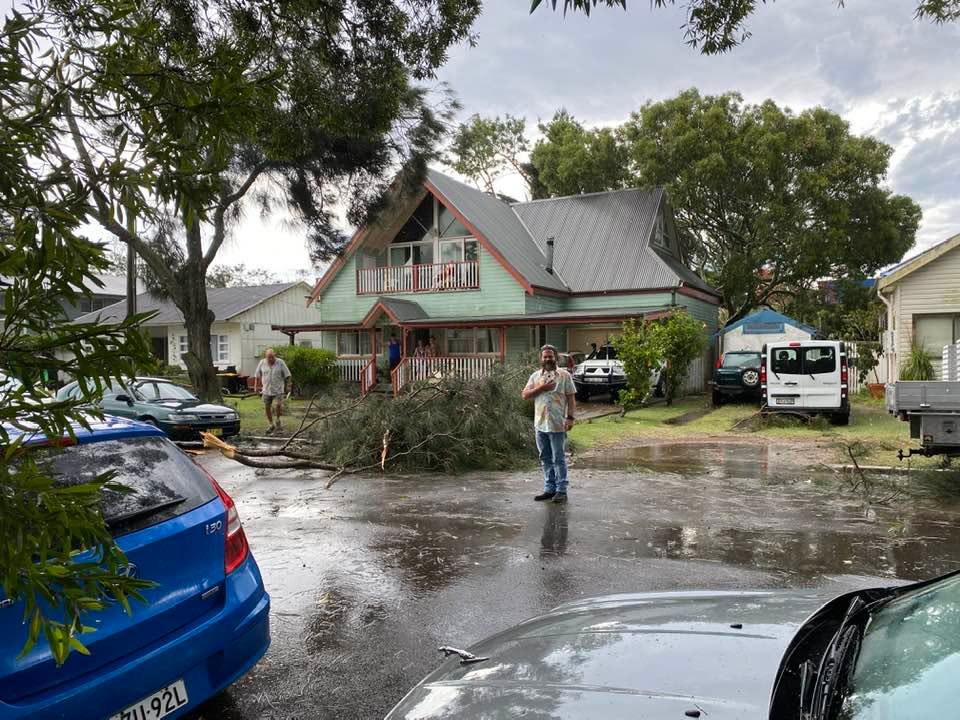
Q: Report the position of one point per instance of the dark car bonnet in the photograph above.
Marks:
(624, 657)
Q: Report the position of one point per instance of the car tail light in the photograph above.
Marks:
(844, 376)
(236, 548)
(763, 379)
(719, 362)
(794, 344)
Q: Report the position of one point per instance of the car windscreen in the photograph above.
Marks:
(909, 657)
(607, 353)
(169, 391)
(164, 482)
(740, 360)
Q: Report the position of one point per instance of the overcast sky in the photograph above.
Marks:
(888, 74)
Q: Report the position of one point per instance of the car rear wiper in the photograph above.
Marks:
(143, 512)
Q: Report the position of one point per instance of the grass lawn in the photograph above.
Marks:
(875, 434)
(253, 420)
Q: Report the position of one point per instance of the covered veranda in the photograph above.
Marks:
(468, 347)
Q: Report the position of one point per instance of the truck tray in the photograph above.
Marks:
(908, 396)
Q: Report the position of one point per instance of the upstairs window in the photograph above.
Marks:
(420, 225)
(448, 225)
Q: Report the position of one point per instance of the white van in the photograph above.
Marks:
(809, 377)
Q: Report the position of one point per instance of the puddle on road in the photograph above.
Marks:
(715, 459)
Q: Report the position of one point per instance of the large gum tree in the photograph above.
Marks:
(213, 107)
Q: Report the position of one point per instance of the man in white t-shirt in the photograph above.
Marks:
(273, 383)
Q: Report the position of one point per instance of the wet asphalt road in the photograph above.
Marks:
(369, 578)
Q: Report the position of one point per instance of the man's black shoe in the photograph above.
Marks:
(544, 496)
(559, 497)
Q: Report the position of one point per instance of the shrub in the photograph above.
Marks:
(639, 357)
(917, 365)
(678, 341)
(313, 369)
(674, 342)
(868, 357)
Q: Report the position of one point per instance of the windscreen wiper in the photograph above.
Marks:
(842, 650)
(143, 512)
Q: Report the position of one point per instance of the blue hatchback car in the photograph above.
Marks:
(206, 622)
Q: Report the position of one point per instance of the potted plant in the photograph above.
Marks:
(917, 365)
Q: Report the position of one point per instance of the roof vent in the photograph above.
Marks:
(549, 266)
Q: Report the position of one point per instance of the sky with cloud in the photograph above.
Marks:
(890, 75)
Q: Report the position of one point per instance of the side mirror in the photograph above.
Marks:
(124, 398)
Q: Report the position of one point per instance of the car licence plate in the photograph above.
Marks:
(215, 431)
(160, 704)
(595, 379)
(786, 401)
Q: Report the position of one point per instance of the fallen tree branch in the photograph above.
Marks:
(327, 416)
(384, 458)
(292, 463)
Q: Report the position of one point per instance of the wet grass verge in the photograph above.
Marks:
(878, 434)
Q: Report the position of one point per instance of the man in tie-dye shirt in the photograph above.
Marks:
(554, 408)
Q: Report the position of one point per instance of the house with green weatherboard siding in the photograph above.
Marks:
(490, 281)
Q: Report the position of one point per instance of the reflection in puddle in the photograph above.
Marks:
(723, 459)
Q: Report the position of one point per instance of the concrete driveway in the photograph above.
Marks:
(370, 577)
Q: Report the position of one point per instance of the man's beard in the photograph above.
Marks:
(549, 365)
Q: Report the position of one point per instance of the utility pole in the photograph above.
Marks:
(131, 265)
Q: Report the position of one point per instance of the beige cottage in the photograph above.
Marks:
(243, 328)
(922, 296)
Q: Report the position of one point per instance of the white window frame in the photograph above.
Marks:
(182, 345)
(220, 348)
(495, 342)
(437, 241)
(359, 335)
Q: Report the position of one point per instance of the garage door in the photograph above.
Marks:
(579, 339)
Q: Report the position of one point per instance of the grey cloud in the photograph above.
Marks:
(911, 118)
(930, 172)
(849, 64)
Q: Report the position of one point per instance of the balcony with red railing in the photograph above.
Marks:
(434, 277)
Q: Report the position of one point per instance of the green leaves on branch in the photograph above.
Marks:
(483, 149)
(570, 159)
(57, 559)
(717, 26)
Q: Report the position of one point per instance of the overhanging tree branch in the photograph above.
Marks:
(219, 215)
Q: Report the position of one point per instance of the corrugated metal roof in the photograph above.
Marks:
(601, 240)
(404, 310)
(224, 302)
(498, 223)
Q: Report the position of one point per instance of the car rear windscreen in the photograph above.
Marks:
(163, 482)
(739, 360)
(818, 360)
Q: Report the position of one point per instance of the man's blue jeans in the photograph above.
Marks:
(553, 460)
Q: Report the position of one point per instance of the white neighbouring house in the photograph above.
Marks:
(922, 298)
(242, 329)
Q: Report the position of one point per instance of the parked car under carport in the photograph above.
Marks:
(736, 375)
